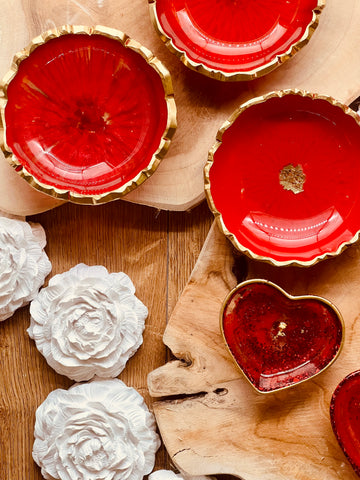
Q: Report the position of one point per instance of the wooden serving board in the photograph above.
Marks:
(329, 64)
(211, 419)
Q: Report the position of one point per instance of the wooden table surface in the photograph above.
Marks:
(157, 249)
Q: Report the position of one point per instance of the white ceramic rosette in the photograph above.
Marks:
(23, 264)
(88, 322)
(101, 430)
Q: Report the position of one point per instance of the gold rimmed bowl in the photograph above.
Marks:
(283, 177)
(235, 40)
(88, 113)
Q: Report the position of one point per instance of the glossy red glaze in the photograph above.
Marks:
(269, 221)
(85, 113)
(234, 35)
(345, 417)
(279, 341)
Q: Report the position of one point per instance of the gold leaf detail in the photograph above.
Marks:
(292, 178)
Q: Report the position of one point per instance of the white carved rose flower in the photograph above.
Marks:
(87, 322)
(101, 430)
(23, 264)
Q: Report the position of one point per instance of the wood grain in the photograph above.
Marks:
(328, 65)
(156, 249)
(211, 419)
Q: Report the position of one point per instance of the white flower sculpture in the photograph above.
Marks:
(23, 264)
(101, 430)
(88, 322)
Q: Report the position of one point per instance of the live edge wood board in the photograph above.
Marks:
(211, 419)
(329, 64)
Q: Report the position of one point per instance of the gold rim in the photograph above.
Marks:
(238, 76)
(165, 141)
(290, 297)
(207, 184)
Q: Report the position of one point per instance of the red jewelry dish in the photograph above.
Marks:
(283, 178)
(89, 114)
(235, 39)
(276, 339)
(345, 418)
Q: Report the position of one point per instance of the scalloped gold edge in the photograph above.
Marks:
(165, 141)
(290, 297)
(239, 76)
(207, 184)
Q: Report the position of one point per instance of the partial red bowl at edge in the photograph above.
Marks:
(283, 178)
(235, 40)
(345, 417)
(278, 340)
(88, 113)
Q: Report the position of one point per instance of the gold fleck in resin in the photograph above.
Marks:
(292, 178)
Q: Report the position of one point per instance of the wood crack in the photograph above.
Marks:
(180, 451)
(182, 397)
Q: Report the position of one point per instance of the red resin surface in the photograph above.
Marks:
(268, 220)
(345, 417)
(85, 113)
(279, 341)
(234, 35)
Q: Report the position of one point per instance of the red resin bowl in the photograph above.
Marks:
(235, 39)
(89, 113)
(278, 340)
(283, 178)
(345, 417)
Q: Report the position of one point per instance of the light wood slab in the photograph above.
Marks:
(211, 419)
(328, 64)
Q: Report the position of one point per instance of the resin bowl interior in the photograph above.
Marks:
(88, 114)
(235, 39)
(345, 420)
(283, 178)
(278, 340)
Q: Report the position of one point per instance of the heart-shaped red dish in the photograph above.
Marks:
(276, 339)
(345, 417)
